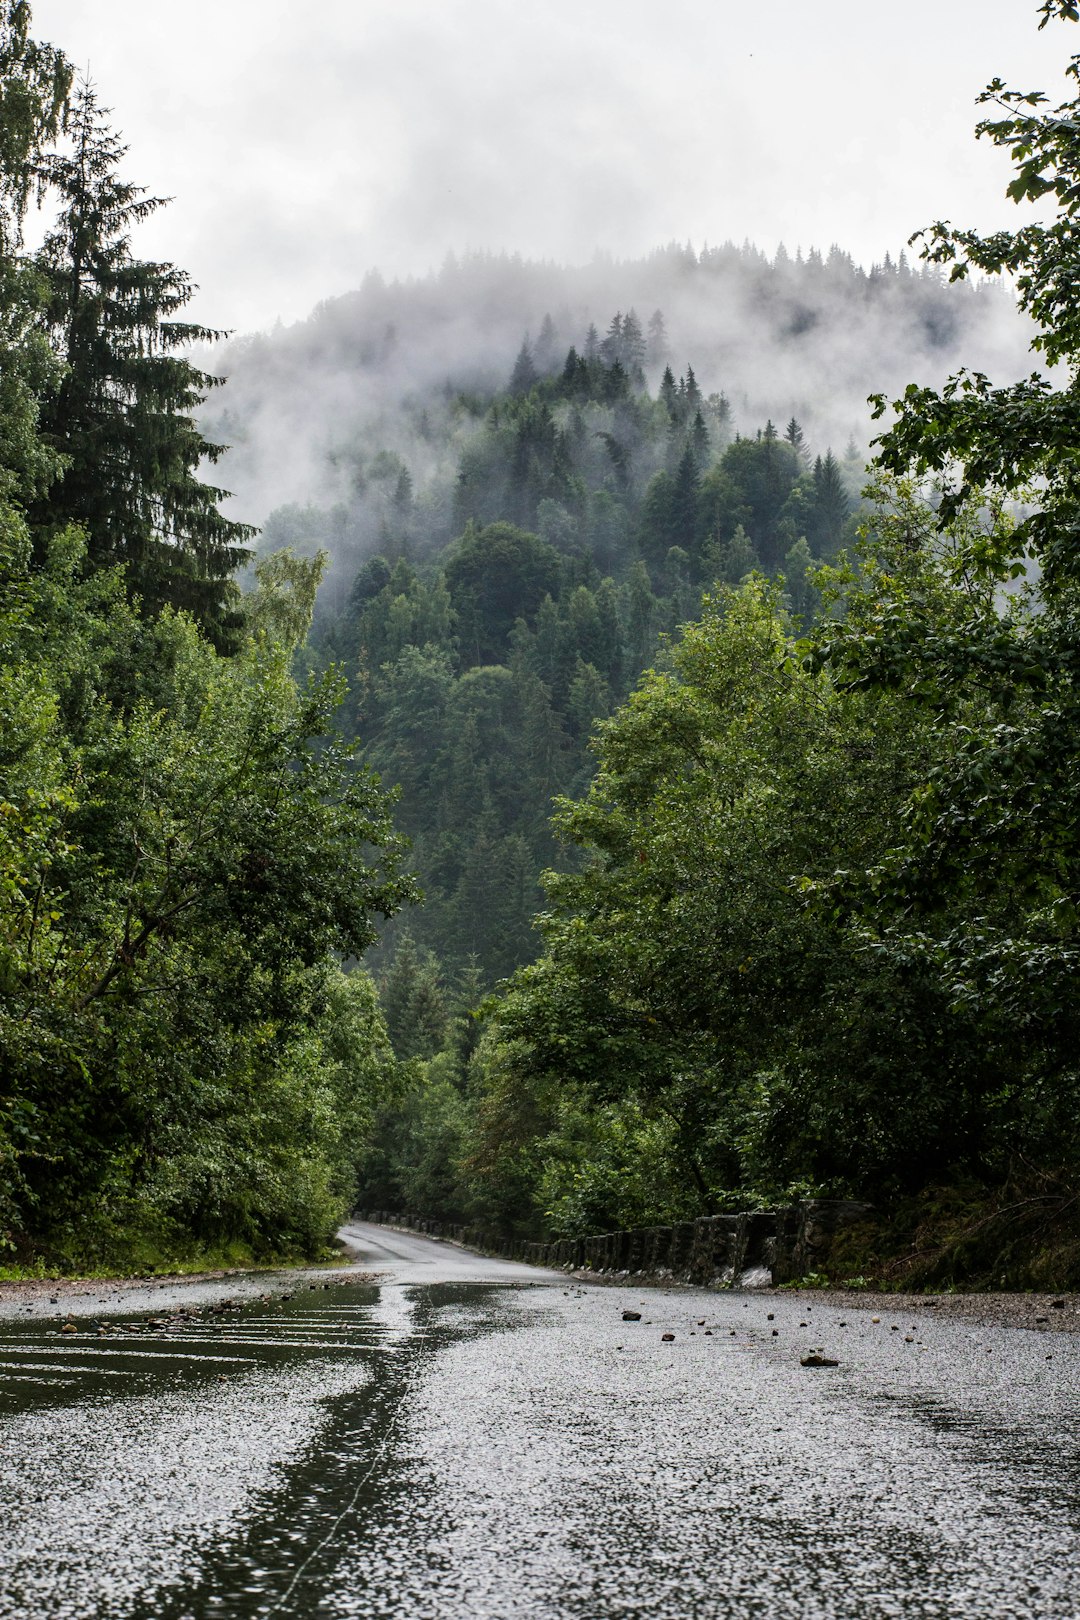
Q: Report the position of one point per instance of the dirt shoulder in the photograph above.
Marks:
(1043, 1313)
(1046, 1313)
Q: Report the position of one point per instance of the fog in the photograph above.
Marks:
(305, 146)
(396, 193)
(327, 412)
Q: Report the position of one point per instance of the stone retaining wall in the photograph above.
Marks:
(759, 1247)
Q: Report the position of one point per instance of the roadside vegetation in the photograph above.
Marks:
(743, 791)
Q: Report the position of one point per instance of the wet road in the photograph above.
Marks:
(471, 1439)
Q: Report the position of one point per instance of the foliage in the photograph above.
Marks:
(179, 866)
(121, 411)
(188, 850)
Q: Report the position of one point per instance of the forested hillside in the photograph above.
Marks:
(816, 929)
(729, 786)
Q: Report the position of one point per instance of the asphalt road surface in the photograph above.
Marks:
(467, 1439)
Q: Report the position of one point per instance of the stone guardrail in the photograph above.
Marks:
(758, 1248)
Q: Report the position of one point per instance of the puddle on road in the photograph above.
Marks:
(202, 1468)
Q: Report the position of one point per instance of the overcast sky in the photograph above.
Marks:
(306, 144)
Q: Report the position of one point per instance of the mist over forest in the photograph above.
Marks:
(327, 411)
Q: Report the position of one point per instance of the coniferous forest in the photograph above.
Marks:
(607, 780)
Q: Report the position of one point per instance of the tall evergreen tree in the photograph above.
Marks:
(524, 374)
(656, 349)
(547, 348)
(795, 436)
(699, 441)
(831, 503)
(632, 353)
(122, 414)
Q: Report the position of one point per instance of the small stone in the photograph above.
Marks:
(702, 1322)
(666, 1338)
(804, 1324)
(69, 1327)
(908, 1339)
(1057, 1304)
(816, 1360)
(631, 1316)
(708, 1333)
(770, 1317)
(875, 1319)
(776, 1333)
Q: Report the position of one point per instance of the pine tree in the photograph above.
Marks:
(794, 435)
(524, 374)
(123, 413)
(656, 350)
(699, 441)
(547, 347)
(684, 503)
(831, 504)
(632, 353)
(612, 347)
(719, 408)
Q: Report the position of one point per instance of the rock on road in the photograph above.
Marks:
(471, 1438)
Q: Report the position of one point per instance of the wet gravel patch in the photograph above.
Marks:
(1050, 1313)
(1047, 1313)
(76, 1298)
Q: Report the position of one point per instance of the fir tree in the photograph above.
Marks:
(632, 351)
(699, 441)
(123, 413)
(524, 374)
(719, 408)
(684, 503)
(547, 347)
(656, 348)
(612, 347)
(831, 503)
(794, 435)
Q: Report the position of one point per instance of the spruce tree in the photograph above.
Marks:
(524, 374)
(632, 352)
(657, 351)
(611, 349)
(122, 414)
(547, 346)
(831, 504)
(794, 435)
(699, 441)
